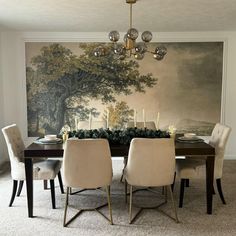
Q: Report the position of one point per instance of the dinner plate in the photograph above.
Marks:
(190, 139)
(46, 141)
(184, 138)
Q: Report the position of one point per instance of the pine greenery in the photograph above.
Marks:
(119, 137)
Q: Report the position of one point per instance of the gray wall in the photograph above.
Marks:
(2, 148)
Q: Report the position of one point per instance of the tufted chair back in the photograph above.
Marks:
(15, 148)
(218, 140)
(140, 125)
(14, 143)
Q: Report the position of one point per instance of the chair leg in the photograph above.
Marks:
(45, 184)
(20, 188)
(66, 205)
(173, 203)
(109, 203)
(60, 182)
(130, 204)
(187, 183)
(125, 163)
(213, 190)
(219, 188)
(163, 190)
(126, 191)
(173, 185)
(181, 196)
(15, 182)
(121, 178)
(52, 186)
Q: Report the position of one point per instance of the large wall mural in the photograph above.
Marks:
(67, 84)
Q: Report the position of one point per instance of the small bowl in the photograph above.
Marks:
(190, 135)
(50, 137)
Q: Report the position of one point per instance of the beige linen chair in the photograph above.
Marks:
(194, 167)
(151, 163)
(140, 125)
(87, 164)
(42, 170)
(95, 124)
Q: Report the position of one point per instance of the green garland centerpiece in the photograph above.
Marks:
(117, 136)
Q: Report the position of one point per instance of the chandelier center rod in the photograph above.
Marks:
(130, 16)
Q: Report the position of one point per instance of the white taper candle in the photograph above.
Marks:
(135, 118)
(107, 118)
(90, 120)
(144, 119)
(158, 120)
(76, 123)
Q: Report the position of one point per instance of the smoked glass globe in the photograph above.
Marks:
(132, 34)
(139, 56)
(114, 36)
(141, 47)
(146, 36)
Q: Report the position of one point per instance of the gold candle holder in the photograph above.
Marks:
(65, 136)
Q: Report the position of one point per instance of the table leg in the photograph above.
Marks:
(29, 185)
(210, 163)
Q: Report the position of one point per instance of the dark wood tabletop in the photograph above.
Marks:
(56, 150)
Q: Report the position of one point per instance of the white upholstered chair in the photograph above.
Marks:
(87, 164)
(151, 163)
(194, 167)
(42, 170)
(95, 124)
(140, 125)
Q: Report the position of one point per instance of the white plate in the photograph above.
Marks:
(43, 140)
(190, 135)
(183, 138)
(50, 137)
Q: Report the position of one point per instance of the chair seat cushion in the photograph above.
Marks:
(42, 170)
(190, 168)
(46, 169)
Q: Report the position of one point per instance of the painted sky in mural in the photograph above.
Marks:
(65, 82)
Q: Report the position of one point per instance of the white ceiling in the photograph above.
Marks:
(106, 15)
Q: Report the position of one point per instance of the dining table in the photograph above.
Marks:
(200, 149)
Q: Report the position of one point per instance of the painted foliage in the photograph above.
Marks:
(67, 83)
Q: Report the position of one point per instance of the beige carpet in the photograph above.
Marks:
(193, 217)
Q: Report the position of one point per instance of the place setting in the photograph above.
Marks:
(49, 139)
(190, 138)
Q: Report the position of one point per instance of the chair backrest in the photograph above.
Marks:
(95, 124)
(218, 139)
(151, 162)
(98, 124)
(15, 144)
(140, 125)
(83, 125)
(87, 163)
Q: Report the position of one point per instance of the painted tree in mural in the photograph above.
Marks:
(119, 115)
(59, 79)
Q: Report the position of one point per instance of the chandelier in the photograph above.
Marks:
(130, 47)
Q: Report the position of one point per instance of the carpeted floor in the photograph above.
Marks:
(193, 217)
